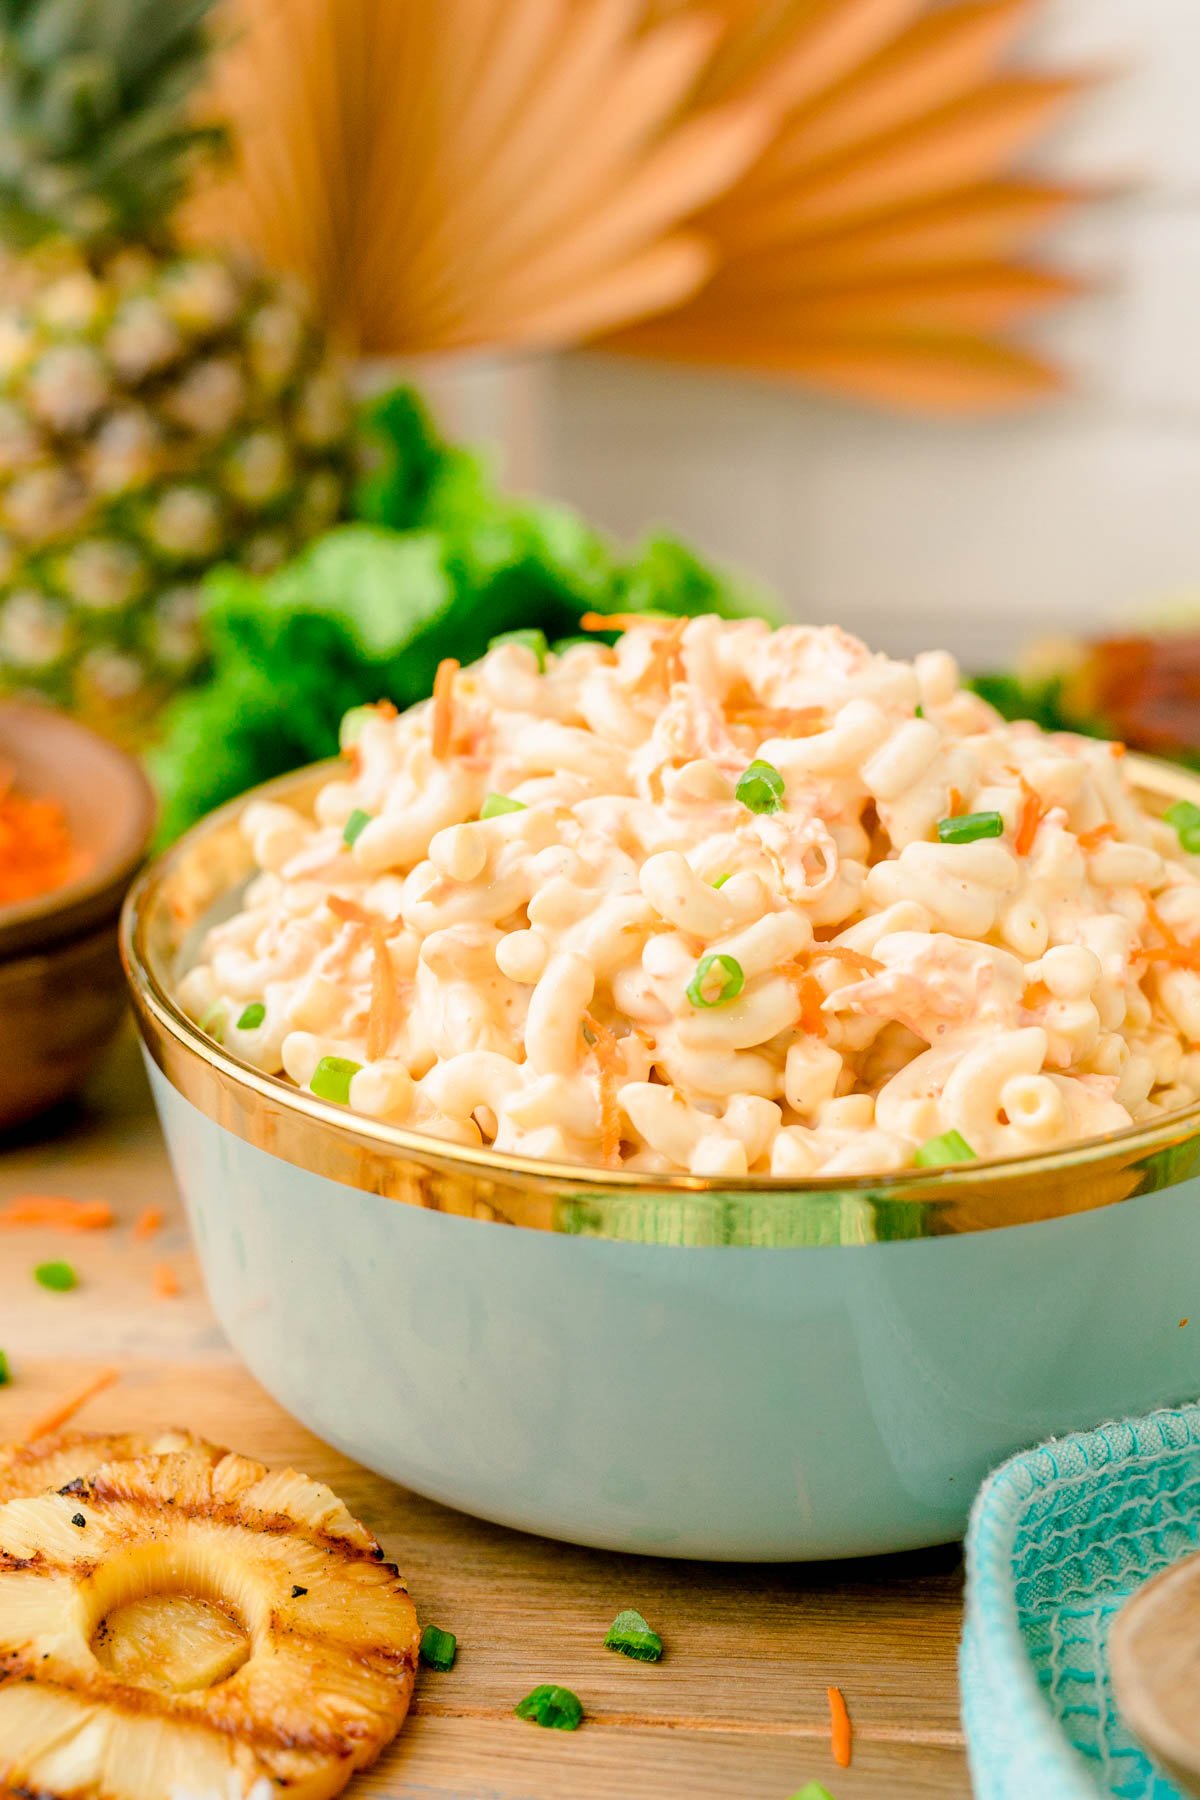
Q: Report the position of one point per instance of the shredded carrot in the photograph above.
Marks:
(443, 706)
(37, 853)
(810, 996)
(796, 721)
(58, 1211)
(1031, 818)
(841, 1736)
(594, 621)
(148, 1224)
(958, 805)
(1172, 950)
(665, 664)
(1036, 994)
(348, 911)
(351, 913)
(65, 1411)
(383, 987)
(165, 1282)
(1099, 834)
(857, 959)
(1117, 749)
(608, 1061)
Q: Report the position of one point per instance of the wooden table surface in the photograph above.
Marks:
(735, 1711)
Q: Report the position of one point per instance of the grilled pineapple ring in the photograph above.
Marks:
(182, 1626)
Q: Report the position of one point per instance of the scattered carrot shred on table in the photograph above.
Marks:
(840, 1730)
(37, 853)
(58, 1211)
(165, 1282)
(443, 706)
(148, 1224)
(65, 1411)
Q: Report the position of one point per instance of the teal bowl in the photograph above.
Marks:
(744, 1371)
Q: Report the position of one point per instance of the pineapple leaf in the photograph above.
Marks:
(96, 135)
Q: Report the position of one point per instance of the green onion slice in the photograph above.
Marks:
(355, 825)
(969, 827)
(531, 640)
(1184, 815)
(560, 646)
(630, 1635)
(5, 1371)
(718, 979)
(950, 1147)
(212, 1021)
(332, 1077)
(918, 711)
(496, 805)
(59, 1277)
(557, 1708)
(252, 1016)
(722, 879)
(438, 1648)
(760, 788)
(351, 727)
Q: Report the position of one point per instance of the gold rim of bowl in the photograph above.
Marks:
(175, 897)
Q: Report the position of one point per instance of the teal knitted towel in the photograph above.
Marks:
(1059, 1538)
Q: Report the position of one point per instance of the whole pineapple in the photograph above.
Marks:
(161, 408)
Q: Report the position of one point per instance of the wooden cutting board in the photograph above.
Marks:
(736, 1710)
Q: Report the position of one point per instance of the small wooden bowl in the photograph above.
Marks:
(62, 993)
(1154, 1652)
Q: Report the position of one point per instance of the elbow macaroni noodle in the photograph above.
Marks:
(535, 980)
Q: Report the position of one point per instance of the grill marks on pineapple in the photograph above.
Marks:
(63, 1461)
(330, 1669)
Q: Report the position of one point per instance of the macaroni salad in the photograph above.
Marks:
(723, 900)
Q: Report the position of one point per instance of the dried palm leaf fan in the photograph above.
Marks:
(480, 171)
(879, 245)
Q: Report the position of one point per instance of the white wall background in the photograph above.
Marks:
(976, 535)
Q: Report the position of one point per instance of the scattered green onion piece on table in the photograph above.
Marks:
(630, 1635)
(332, 1077)
(970, 826)
(710, 988)
(351, 727)
(815, 1790)
(555, 1708)
(496, 805)
(354, 827)
(252, 1017)
(59, 1277)
(760, 788)
(530, 639)
(722, 879)
(950, 1147)
(438, 1648)
(1184, 815)
(5, 1371)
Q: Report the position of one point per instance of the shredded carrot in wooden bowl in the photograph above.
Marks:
(37, 853)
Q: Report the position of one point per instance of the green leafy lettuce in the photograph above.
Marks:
(437, 562)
